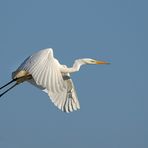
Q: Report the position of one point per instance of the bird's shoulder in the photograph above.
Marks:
(48, 52)
(37, 58)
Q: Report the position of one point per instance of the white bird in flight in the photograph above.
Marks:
(45, 72)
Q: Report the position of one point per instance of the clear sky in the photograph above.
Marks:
(113, 98)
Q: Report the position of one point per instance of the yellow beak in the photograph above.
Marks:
(102, 62)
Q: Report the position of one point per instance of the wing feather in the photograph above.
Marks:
(47, 76)
(68, 99)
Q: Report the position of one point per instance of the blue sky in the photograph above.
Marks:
(113, 97)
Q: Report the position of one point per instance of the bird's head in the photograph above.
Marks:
(92, 61)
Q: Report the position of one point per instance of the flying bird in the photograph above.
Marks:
(44, 71)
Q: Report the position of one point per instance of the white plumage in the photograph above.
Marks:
(45, 72)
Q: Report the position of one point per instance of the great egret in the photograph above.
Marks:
(46, 73)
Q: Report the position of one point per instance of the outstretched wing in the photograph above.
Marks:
(46, 74)
(67, 100)
(44, 69)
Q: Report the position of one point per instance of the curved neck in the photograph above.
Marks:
(76, 66)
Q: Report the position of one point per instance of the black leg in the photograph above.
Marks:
(8, 83)
(8, 89)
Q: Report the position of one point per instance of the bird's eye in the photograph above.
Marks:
(92, 61)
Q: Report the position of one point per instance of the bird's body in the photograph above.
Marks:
(45, 72)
